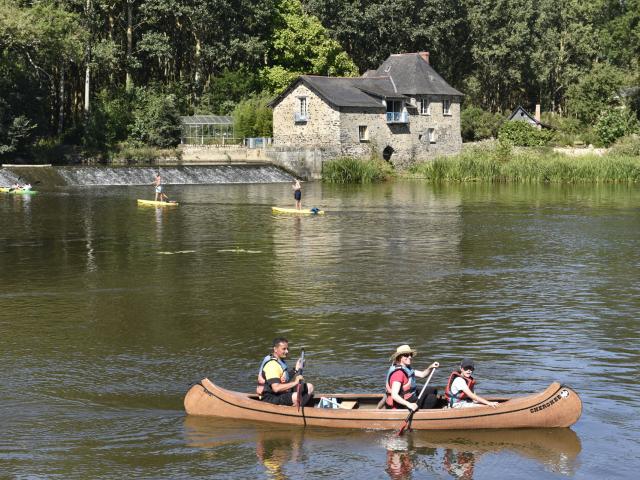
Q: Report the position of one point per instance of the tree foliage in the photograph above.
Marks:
(576, 58)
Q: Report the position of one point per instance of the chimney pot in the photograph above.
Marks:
(425, 56)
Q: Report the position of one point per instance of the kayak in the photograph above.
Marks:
(555, 407)
(18, 191)
(157, 204)
(295, 211)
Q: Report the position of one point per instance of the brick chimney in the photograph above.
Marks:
(424, 56)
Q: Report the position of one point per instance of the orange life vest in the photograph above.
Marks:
(460, 396)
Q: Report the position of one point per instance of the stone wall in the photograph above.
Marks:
(320, 130)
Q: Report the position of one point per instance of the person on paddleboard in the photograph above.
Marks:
(460, 390)
(277, 384)
(402, 389)
(160, 196)
(297, 194)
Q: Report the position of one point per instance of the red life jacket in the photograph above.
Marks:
(284, 378)
(451, 399)
(407, 389)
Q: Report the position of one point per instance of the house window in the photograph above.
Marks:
(363, 133)
(425, 106)
(302, 115)
(446, 107)
(431, 135)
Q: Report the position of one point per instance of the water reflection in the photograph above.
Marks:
(281, 450)
(275, 451)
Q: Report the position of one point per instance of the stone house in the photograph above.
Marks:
(403, 110)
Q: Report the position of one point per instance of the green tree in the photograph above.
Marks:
(595, 92)
(253, 118)
(156, 121)
(301, 45)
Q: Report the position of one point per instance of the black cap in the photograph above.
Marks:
(466, 363)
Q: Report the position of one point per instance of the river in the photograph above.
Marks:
(108, 311)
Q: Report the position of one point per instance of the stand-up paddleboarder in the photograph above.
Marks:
(158, 186)
(297, 194)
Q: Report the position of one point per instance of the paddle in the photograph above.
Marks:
(299, 386)
(409, 418)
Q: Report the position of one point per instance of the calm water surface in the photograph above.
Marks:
(109, 311)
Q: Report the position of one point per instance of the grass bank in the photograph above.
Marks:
(353, 170)
(502, 164)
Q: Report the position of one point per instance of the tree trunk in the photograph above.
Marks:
(61, 94)
(87, 72)
(129, 79)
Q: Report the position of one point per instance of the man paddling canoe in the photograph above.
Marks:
(275, 384)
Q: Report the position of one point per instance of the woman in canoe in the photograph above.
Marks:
(460, 388)
(401, 382)
(297, 194)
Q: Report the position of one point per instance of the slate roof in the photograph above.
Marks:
(398, 77)
(520, 114)
(414, 76)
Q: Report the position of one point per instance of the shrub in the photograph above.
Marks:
(354, 170)
(521, 134)
(628, 146)
(615, 124)
(253, 118)
(477, 124)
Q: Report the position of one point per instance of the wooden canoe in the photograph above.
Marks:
(556, 406)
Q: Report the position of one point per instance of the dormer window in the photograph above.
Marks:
(446, 107)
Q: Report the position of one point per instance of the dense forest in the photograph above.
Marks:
(99, 73)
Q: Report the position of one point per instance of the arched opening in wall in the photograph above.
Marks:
(387, 152)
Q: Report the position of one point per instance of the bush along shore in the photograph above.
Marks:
(354, 170)
(501, 163)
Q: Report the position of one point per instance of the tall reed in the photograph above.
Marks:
(528, 166)
(353, 170)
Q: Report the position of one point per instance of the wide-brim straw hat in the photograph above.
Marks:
(403, 350)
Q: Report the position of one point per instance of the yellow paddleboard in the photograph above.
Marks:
(153, 203)
(295, 211)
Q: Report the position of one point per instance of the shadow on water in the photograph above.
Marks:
(279, 448)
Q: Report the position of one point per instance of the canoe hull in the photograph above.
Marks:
(557, 406)
(295, 211)
(153, 203)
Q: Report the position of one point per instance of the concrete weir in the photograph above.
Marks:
(171, 175)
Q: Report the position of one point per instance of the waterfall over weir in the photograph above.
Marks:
(7, 177)
(182, 175)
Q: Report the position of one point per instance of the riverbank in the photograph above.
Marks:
(501, 163)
